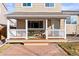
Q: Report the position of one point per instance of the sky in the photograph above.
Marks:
(65, 6)
(10, 7)
(70, 6)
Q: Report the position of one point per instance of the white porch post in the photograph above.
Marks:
(8, 28)
(46, 29)
(26, 29)
(65, 29)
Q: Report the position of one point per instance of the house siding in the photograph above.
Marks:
(51, 24)
(78, 24)
(3, 11)
(73, 28)
(21, 24)
(38, 7)
(62, 24)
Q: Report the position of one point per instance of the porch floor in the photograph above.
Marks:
(36, 40)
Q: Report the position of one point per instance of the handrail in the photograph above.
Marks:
(18, 29)
(18, 33)
(56, 33)
(55, 29)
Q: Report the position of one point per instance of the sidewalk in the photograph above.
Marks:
(34, 50)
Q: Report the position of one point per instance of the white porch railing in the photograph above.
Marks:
(56, 33)
(21, 33)
(17, 33)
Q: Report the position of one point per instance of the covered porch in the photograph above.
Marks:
(32, 26)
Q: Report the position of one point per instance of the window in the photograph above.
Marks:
(49, 4)
(72, 20)
(35, 24)
(27, 4)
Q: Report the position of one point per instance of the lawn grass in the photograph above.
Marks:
(72, 48)
(6, 46)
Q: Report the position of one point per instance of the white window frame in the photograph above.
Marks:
(26, 6)
(49, 7)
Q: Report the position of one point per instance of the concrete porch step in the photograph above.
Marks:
(35, 43)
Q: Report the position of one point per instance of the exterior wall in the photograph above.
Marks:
(78, 20)
(3, 11)
(21, 24)
(78, 24)
(3, 21)
(62, 24)
(54, 24)
(37, 7)
(51, 24)
(72, 28)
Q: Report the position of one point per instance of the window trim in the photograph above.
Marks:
(49, 7)
(26, 6)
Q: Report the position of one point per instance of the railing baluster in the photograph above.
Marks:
(18, 32)
(55, 33)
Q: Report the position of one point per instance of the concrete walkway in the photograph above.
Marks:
(34, 50)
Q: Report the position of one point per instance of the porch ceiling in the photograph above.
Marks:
(37, 15)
